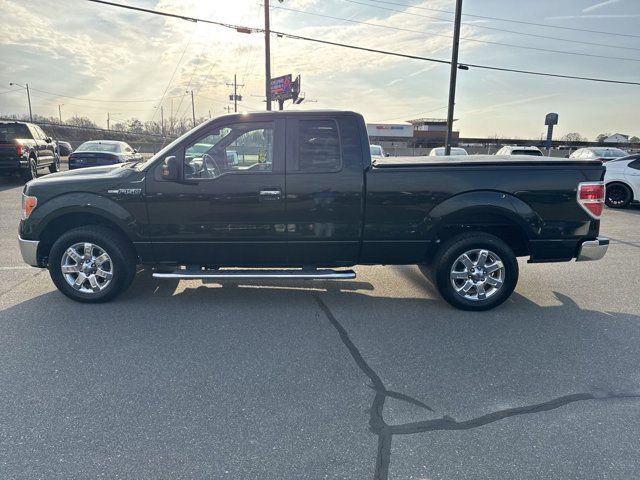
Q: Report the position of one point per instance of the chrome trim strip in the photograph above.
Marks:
(315, 274)
(29, 251)
(593, 249)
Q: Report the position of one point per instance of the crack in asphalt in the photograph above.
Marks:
(385, 431)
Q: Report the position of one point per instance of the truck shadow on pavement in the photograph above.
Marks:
(565, 354)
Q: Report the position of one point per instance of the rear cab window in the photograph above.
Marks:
(13, 131)
(319, 146)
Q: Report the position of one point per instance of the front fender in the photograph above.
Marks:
(466, 206)
(79, 203)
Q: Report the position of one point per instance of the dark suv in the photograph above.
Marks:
(25, 148)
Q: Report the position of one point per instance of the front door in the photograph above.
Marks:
(228, 208)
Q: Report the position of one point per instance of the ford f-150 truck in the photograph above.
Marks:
(25, 148)
(302, 198)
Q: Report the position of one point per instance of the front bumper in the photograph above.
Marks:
(29, 251)
(593, 249)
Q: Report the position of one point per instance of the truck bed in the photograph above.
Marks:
(478, 160)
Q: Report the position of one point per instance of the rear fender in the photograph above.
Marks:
(471, 207)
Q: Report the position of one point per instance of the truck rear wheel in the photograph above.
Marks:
(31, 171)
(92, 264)
(55, 166)
(475, 271)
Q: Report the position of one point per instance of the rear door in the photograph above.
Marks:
(325, 182)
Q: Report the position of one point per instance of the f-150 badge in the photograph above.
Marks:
(126, 191)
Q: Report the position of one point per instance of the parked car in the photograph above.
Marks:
(323, 206)
(64, 148)
(102, 152)
(622, 180)
(377, 151)
(604, 154)
(520, 150)
(24, 149)
(439, 151)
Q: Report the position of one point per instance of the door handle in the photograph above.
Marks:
(270, 194)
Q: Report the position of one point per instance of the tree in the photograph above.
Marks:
(135, 126)
(634, 139)
(573, 137)
(82, 122)
(600, 138)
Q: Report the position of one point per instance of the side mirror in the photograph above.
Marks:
(135, 150)
(169, 169)
(566, 156)
(48, 140)
(387, 154)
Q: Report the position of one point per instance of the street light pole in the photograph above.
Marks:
(26, 86)
(267, 54)
(60, 113)
(452, 76)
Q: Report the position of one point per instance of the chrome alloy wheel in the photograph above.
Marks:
(87, 267)
(477, 274)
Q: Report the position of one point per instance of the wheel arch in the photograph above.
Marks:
(497, 213)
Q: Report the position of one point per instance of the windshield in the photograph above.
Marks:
(13, 131)
(609, 152)
(376, 150)
(168, 148)
(98, 147)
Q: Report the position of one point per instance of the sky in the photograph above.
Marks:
(126, 64)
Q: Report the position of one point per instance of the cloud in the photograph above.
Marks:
(599, 5)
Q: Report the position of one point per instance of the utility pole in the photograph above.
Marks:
(108, 119)
(60, 113)
(162, 119)
(193, 108)
(267, 54)
(235, 97)
(25, 86)
(452, 76)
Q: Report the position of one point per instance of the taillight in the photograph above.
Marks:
(28, 204)
(591, 197)
(19, 150)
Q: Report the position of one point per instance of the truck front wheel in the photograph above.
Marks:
(92, 264)
(475, 271)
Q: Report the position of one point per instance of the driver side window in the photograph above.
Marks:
(237, 148)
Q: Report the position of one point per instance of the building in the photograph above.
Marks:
(420, 132)
(432, 132)
(617, 138)
(390, 135)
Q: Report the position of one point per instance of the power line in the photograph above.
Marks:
(486, 67)
(468, 39)
(91, 99)
(373, 50)
(510, 20)
(546, 37)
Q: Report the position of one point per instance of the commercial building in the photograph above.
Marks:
(417, 133)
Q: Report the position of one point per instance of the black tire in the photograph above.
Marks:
(447, 262)
(618, 195)
(55, 166)
(122, 263)
(31, 171)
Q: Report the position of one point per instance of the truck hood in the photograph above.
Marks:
(85, 179)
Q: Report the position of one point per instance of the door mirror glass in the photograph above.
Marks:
(48, 140)
(169, 169)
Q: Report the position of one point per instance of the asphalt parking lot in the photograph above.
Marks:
(371, 378)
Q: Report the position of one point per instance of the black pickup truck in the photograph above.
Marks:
(297, 195)
(25, 148)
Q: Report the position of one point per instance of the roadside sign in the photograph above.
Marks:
(281, 87)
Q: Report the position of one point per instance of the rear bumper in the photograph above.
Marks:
(593, 249)
(29, 251)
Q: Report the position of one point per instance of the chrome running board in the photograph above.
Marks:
(322, 274)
